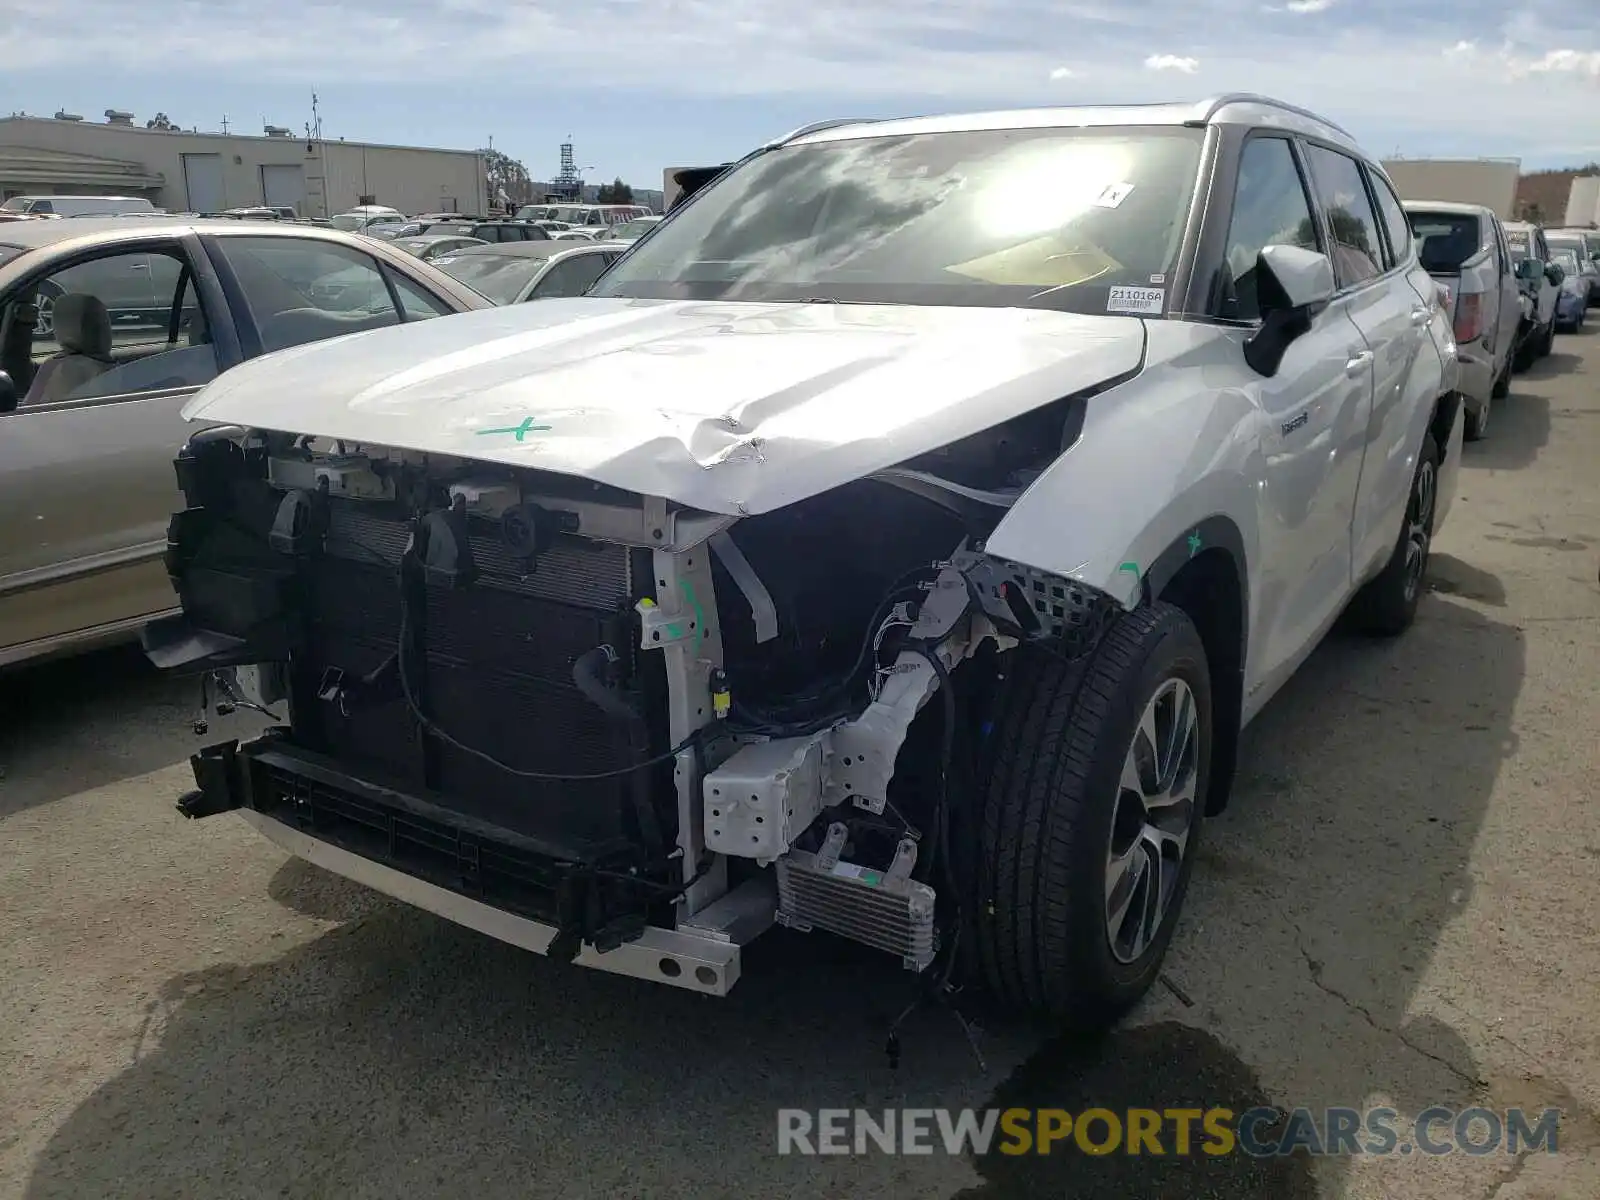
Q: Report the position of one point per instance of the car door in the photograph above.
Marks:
(1393, 314)
(1313, 418)
(86, 479)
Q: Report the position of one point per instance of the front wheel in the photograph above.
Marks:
(1091, 811)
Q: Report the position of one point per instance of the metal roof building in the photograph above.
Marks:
(187, 171)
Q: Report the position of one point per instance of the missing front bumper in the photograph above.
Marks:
(694, 961)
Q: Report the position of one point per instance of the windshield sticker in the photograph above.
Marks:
(516, 431)
(1114, 195)
(441, 259)
(1147, 301)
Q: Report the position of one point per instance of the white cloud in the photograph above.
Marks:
(1576, 62)
(1062, 73)
(1518, 66)
(1172, 62)
(1309, 6)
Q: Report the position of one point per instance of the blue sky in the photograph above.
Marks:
(644, 84)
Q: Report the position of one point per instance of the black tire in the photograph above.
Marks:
(1548, 341)
(1050, 795)
(1474, 425)
(1502, 383)
(1527, 350)
(1387, 605)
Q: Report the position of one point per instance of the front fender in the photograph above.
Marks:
(1158, 466)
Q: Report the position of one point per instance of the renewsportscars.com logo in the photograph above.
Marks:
(1178, 1132)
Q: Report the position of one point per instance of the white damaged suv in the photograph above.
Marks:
(892, 544)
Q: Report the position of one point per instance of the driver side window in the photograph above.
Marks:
(1270, 208)
(109, 327)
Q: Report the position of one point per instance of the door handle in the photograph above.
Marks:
(1421, 316)
(1358, 363)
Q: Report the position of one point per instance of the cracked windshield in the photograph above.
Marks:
(800, 600)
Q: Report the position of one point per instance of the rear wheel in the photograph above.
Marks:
(1387, 605)
(1091, 812)
(1475, 424)
(1502, 383)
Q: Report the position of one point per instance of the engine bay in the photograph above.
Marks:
(598, 710)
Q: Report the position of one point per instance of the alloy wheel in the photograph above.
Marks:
(1154, 816)
(45, 324)
(1419, 526)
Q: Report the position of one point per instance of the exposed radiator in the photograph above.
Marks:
(882, 909)
(499, 663)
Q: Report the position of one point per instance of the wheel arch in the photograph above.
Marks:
(1206, 574)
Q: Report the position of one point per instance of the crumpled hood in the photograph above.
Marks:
(726, 407)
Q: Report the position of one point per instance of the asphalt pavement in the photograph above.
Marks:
(1399, 908)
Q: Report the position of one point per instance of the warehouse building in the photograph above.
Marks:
(187, 171)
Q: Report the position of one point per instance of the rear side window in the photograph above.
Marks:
(1357, 251)
(1445, 240)
(570, 277)
(299, 290)
(1270, 208)
(1393, 214)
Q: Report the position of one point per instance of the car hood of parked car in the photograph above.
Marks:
(734, 408)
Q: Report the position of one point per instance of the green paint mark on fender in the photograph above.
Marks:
(1194, 543)
(516, 431)
(1131, 566)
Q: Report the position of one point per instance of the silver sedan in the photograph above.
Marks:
(107, 326)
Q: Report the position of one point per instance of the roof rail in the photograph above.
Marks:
(1216, 103)
(818, 127)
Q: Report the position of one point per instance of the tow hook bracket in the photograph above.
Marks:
(218, 779)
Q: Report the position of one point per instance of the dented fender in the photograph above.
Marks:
(1159, 474)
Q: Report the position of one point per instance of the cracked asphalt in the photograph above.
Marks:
(1400, 908)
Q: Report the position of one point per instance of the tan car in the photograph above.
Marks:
(107, 326)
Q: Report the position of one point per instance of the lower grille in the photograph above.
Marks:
(428, 838)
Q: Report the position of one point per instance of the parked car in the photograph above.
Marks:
(1577, 277)
(1584, 244)
(514, 272)
(259, 212)
(367, 218)
(594, 216)
(77, 206)
(1541, 285)
(1464, 248)
(429, 246)
(906, 574)
(629, 231)
(129, 319)
(491, 231)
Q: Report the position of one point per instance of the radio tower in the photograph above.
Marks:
(567, 182)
